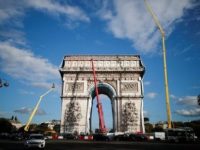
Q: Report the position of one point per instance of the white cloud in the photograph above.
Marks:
(25, 110)
(187, 100)
(54, 8)
(13, 36)
(10, 9)
(131, 20)
(25, 92)
(24, 65)
(190, 104)
(151, 95)
(12, 14)
(173, 96)
(21, 63)
(189, 112)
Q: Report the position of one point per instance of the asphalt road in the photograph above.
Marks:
(91, 145)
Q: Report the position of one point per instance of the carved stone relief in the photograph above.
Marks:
(129, 87)
(75, 87)
(102, 64)
(129, 116)
(72, 115)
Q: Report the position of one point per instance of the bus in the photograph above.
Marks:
(185, 134)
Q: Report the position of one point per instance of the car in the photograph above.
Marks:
(121, 137)
(69, 136)
(138, 137)
(131, 137)
(101, 137)
(35, 140)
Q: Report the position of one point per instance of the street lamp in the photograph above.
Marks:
(26, 128)
(3, 83)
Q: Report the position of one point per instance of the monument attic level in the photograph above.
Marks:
(119, 77)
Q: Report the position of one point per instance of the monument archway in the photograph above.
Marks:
(119, 77)
(108, 90)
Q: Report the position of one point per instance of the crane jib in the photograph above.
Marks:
(102, 126)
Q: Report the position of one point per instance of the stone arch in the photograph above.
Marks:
(108, 90)
(103, 88)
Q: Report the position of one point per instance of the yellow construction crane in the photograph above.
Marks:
(164, 62)
(26, 128)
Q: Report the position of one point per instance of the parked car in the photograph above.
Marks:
(16, 136)
(35, 140)
(131, 137)
(138, 137)
(100, 137)
(69, 136)
(121, 137)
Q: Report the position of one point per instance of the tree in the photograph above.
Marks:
(42, 128)
(12, 118)
(146, 119)
(57, 128)
(157, 129)
(6, 126)
(16, 119)
(177, 124)
(148, 127)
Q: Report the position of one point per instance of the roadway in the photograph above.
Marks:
(91, 145)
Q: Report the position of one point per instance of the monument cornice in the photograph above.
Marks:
(102, 71)
(101, 57)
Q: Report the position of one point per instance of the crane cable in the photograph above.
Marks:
(164, 61)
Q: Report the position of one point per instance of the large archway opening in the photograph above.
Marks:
(106, 95)
(107, 111)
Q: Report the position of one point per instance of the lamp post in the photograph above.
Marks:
(3, 83)
(26, 128)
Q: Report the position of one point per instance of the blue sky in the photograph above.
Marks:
(35, 35)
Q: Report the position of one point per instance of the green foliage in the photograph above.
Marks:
(6, 126)
(148, 127)
(178, 124)
(157, 129)
(42, 128)
(57, 128)
(146, 119)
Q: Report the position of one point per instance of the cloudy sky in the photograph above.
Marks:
(35, 35)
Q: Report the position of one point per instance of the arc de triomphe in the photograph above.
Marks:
(119, 77)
